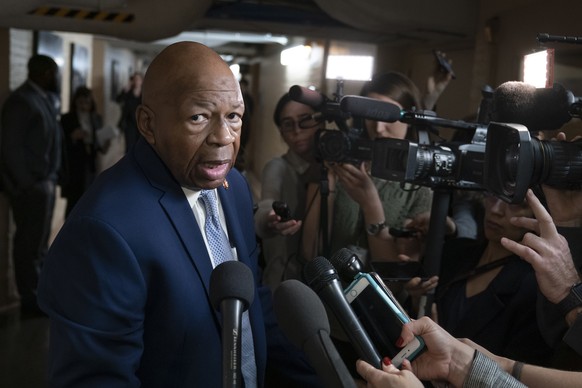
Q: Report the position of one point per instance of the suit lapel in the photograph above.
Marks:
(177, 208)
(232, 218)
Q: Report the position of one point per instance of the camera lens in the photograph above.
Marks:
(333, 145)
(558, 164)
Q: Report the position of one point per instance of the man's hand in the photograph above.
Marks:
(547, 251)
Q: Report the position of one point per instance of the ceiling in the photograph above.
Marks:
(257, 22)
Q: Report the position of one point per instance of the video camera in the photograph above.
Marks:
(346, 145)
(502, 158)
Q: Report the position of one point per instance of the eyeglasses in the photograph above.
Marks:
(306, 122)
(492, 199)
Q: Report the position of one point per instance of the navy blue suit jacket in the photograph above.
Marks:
(126, 283)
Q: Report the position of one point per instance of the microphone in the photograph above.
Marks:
(378, 110)
(544, 37)
(370, 307)
(371, 108)
(323, 279)
(347, 264)
(307, 96)
(303, 319)
(536, 108)
(232, 290)
(327, 110)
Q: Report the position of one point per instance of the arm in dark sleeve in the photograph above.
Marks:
(19, 151)
(93, 290)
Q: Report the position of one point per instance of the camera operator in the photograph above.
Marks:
(556, 268)
(285, 178)
(488, 293)
(364, 207)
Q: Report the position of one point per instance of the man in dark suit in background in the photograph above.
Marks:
(126, 281)
(29, 164)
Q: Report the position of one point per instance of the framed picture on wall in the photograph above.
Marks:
(79, 66)
(50, 44)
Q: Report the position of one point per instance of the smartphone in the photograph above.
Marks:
(399, 271)
(386, 290)
(444, 64)
(282, 210)
(402, 232)
(381, 318)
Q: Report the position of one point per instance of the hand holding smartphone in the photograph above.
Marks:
(282, 210)
(403, 233)
(382, 317)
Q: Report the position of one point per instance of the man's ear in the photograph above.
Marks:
(146, 123)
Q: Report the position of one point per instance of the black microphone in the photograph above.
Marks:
(536, 108)
(327, 110)
(307, 96)
(370, 308)
(378, 110)
(544, 37)
(323, 279)
(347, 264)
(371, 108)
(232, 290)
(303, 319)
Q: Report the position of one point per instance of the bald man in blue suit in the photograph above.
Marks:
(126, 282)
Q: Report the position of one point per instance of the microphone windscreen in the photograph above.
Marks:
(232, 280)
(347, 264)
(318, 273)
(306, 96)
(536, 108)
(370, 108)
(299, 311)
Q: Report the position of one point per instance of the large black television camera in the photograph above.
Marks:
(502, 158)
(423, 163)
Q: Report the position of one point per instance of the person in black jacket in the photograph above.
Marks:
(487, 293)
(82, 145)
(30, 165)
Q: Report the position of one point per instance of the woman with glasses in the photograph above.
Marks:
(285, 178)
(363, 208)
(488, 294)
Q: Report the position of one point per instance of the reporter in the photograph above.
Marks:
(489, 294)
(446, 359)
(285, 178)
(555, 267)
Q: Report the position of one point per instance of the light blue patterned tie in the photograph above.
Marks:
(221, 252)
